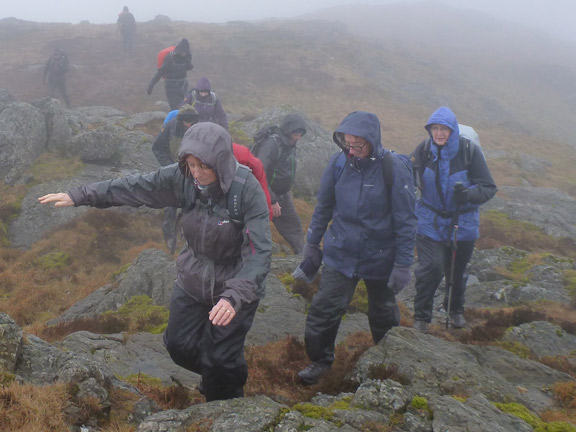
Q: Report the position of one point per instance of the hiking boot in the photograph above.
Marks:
(313, 372)
(458, 321)
(421, 326)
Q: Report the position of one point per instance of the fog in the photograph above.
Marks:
(552, 16)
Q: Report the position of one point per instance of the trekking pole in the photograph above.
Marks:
(450, 282)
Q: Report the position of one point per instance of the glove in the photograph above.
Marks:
(460, 194)
(308, 268)
(149, 91)
(399, 278)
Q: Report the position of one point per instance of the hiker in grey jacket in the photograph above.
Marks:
(222, 269)
(278, 155)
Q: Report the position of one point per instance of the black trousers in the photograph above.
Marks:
(434, 263)
(215, 352)
(175, 91)
(330, 304)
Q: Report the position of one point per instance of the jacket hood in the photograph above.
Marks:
(183, 47)
(211, 144)
(187, 112)
(203, 84)
(360, 123)
(445, 116)
(291, 123)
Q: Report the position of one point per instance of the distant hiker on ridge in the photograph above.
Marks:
(55, 74)
(127, 27)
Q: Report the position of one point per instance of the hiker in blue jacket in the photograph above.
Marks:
(454, 182)
(371, 237)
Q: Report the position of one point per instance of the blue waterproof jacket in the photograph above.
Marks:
(373, 224)
(445, 166)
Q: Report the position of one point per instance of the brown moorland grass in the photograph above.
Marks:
(70, 263)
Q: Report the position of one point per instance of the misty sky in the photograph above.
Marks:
(553, 16)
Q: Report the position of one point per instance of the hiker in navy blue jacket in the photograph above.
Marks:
(453, 185)
(371, 237)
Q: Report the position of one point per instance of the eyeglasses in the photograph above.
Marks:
(354, 146)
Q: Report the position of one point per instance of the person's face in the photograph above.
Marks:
(203, 93)
(295, 137)
(200, 171)
(187, 123)
(357, 146)
(440, 133)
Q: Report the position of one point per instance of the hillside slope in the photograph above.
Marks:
(520, 96)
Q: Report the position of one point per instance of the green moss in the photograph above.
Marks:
(142, 315)
(419, 402)
(359, 301)
(533, 420)
(516, 348)
(287, 280)
(120, 271)
(459, 398)
(6, 378)
(143, 379)
(316, 412)
(570, 282)
(53, 260)
(342, 404)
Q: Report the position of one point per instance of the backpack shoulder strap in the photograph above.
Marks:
(234, 196)
(388, 168)
(468, 147)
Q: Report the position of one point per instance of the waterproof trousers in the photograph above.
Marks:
(330, 304)
(288, 224)
(175, 91)
(434, 263)
(58, 84)
(215, 352)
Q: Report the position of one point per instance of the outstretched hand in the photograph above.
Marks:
(222, 313)
(59, 199)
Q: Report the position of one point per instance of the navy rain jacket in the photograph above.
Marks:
(442, 171)
(373, 225)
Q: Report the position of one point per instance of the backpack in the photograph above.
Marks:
(162, 55)
(387, 166)
(233, 201)
(262, 135)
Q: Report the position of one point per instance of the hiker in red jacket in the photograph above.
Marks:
(174, 68)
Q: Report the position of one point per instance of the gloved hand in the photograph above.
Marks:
(149, 91)
(312, 259)
(460, 194)
(399, 278)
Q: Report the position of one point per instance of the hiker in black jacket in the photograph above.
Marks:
(278, 155)
(55, 74)
(174, 69)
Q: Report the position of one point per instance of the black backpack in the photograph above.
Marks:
(262, 135)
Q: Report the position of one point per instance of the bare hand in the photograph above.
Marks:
(276, 210)
(59, 199)
(222, 313)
